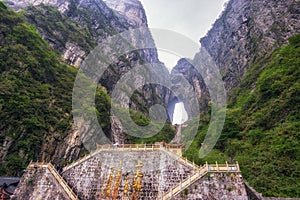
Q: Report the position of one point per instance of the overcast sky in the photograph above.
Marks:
(192, 18)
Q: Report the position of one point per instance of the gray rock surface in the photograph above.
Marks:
(131, 10)
(74, 28)
(247, 31)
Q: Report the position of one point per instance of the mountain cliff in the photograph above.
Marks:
(131, 10)
(255, 44)
(81, 25)
(77, 29)
(36, 118)
(249, 30)
(185, 70)
(251, 44)
(36, 90)
(245, 32)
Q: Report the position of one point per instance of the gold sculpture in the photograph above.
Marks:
(117, 182)
(126, 186)
(137, 182)
(108, 186)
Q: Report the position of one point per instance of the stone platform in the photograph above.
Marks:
(133, 172)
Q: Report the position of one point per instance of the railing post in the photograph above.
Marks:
(207, 166)
(237, 166)
(227, 166)
(217, 166)
(180, 185)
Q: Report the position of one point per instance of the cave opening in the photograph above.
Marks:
(177, 112)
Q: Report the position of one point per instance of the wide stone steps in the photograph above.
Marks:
(197, 172)
(202, 171)
(184, 184)
(58, 177)
(182, 160)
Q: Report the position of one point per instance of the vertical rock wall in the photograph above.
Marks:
(248, 30)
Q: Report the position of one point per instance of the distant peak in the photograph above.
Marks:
(132, 10)
(62, 5)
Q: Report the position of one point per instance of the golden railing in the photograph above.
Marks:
(125, 147)
(181, 159)
(77, 162)
(198, 173)
(214, 168)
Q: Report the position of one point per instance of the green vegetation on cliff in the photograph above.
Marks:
(58, 28)
(262, 128)
(266, 111)
(36, 91)
(35, 94)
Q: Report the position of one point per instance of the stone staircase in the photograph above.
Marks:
(182, 160)
(199, 173)
(58, 177)
(176, 173)
(184, 184)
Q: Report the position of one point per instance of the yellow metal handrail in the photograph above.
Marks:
(123, 147)
(183, 160)
(214, 168)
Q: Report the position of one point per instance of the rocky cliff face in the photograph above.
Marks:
(184, 70)
(248, 30)
(91, 21)
(22, 4)
(75, 28)
(131, 10)
(245, 31)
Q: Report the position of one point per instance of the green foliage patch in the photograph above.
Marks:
(35, 93)
(262, 127)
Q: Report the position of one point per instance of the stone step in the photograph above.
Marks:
(58, 177)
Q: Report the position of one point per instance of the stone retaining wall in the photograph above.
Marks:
(160, 172)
